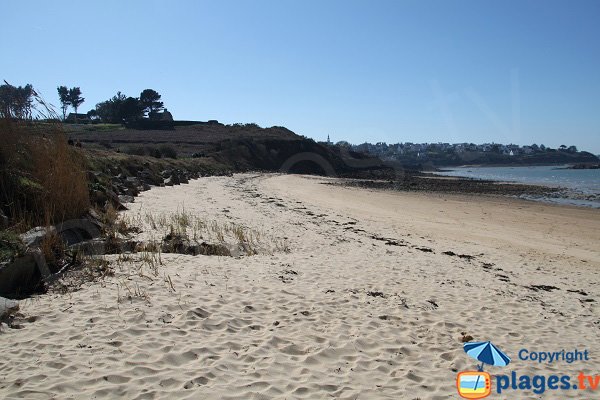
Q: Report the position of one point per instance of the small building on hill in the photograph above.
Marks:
(73, 118)
(163, 116)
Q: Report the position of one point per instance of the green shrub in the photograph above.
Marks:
(153, 152)
(135, 150)
(168, 151)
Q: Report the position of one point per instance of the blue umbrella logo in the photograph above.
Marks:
(487, 353)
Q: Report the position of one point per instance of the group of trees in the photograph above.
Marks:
(69, 98)
(16, 101)
(121, 108)
(118, 109)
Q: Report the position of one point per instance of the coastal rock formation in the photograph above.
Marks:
(34, 237)
(22, 276)
(586, 166)
(28, 270)
(174, 243)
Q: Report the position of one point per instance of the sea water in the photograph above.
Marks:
(582, 186)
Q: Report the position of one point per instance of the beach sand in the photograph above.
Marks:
(370, 301)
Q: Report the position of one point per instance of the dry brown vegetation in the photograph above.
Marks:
(144, 236)
(42, 178)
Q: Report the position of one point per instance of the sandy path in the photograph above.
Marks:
(364, 306)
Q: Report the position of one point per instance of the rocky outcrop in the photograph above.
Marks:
(7, 307)
(177, 177)
(585, 166)
(34, 237)
(121, 188)
(22, 276)
(173, 243)
(27, 273)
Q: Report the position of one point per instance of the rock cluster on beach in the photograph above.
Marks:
(421, 182)
(28, 272)
(122, 188)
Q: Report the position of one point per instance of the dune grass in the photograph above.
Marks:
(42, 179)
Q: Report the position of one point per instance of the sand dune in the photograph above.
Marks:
(369, 303)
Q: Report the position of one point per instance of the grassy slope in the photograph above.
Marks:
(235, 147)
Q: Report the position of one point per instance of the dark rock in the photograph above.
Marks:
(172, 180)
(21, 277)
(35, 236)
(132, 191)
(78, 230)
(123, 198)
(119, 189)
(7, 306)
(132, 182)
(209, 249)
(175, 178)
(114, 201)
(127, 190)
(174, 243)
(150, 178)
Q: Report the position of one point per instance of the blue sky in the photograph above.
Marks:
(422, 71)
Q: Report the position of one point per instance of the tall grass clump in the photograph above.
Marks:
(42, 178)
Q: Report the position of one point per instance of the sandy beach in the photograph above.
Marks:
(353, 294)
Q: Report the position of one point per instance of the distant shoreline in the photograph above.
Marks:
(565, 166)
(562, 184)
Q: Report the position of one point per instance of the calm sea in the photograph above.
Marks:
(582, 186)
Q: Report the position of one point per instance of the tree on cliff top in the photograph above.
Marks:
(119, 109)
(75, 99)
(16, 102)
(150, 100)
(65, 102)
